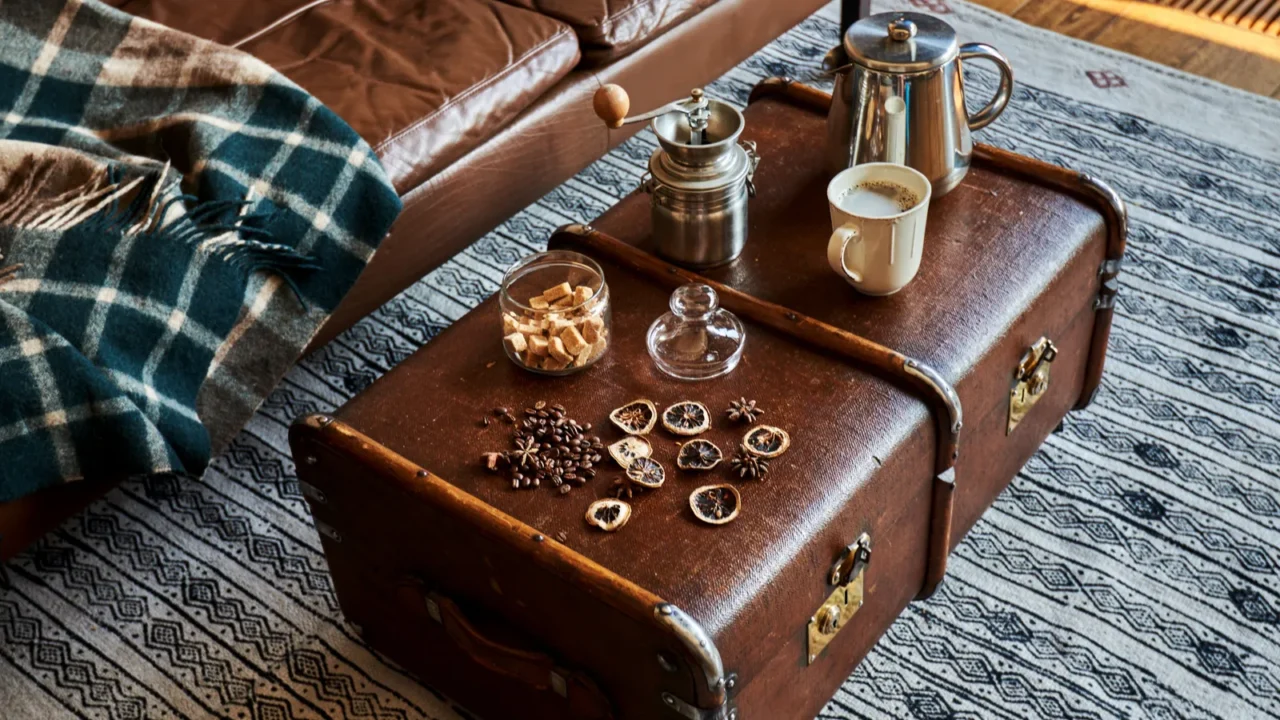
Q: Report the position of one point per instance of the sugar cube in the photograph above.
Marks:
(557, 351)
(555, 293)
(516, 343)
(573, 340)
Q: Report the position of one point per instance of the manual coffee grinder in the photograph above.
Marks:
(699, 178)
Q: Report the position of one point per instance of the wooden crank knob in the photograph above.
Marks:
(611, 104)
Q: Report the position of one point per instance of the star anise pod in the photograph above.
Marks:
(748, 466)
(743, 410)
(525, 453)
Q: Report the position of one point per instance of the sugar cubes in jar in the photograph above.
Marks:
(555, 312)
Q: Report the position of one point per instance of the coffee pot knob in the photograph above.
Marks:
(611, 104)
(902, 30)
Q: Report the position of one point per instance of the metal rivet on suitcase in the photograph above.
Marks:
(328, 531)
(313, 493)
(684, 709)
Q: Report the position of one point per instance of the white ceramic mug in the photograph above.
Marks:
(877, 255)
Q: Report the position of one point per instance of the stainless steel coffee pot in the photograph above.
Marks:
(899, 97)
(699, 178)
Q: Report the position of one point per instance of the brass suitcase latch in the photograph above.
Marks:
(848, 576)
(1030, 380)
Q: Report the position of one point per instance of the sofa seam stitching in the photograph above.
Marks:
(277, 24)
(474, 88)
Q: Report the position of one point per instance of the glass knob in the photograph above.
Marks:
(693, 302)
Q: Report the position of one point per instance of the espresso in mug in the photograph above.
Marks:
(877, 198)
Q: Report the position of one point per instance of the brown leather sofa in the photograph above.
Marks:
(476, 107)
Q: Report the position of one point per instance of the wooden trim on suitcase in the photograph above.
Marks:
(322, 431)
(1081, 185)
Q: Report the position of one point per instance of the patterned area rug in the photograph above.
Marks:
(1130, 570)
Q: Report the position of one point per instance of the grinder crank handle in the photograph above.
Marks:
(612, 103)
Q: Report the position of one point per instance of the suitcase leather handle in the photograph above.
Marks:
(533, 669)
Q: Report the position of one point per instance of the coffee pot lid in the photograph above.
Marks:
(901, 42)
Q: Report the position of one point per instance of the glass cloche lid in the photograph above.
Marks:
(697, 340)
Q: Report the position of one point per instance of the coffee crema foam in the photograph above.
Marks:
(892, 190)
(877, 198)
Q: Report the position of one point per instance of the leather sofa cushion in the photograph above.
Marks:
(423, 81)
(226, 22)
(610, 29)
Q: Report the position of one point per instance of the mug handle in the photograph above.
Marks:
(840, 240)
(983, 51)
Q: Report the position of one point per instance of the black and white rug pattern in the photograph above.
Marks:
(1131, 570)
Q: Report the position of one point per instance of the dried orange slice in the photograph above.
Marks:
(608, 514)
(766, 441)
(698, 454)
(715, 504)
(686, 418)
(636, 417)
(629, 448)
(647, 473)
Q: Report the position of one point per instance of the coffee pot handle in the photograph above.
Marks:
(983, 51)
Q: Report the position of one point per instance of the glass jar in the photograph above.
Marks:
(555, 312)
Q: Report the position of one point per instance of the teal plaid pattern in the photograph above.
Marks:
(127, 352)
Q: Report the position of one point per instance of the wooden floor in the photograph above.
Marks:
(1160, 31)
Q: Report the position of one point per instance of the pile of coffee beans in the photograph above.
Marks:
(549, 448)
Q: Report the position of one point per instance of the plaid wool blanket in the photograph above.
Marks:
(176, 221)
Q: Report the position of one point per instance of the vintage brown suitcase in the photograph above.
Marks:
(462, 580)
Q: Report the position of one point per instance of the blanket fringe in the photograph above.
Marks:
(219, 228)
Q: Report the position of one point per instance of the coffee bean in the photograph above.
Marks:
(563, 456)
